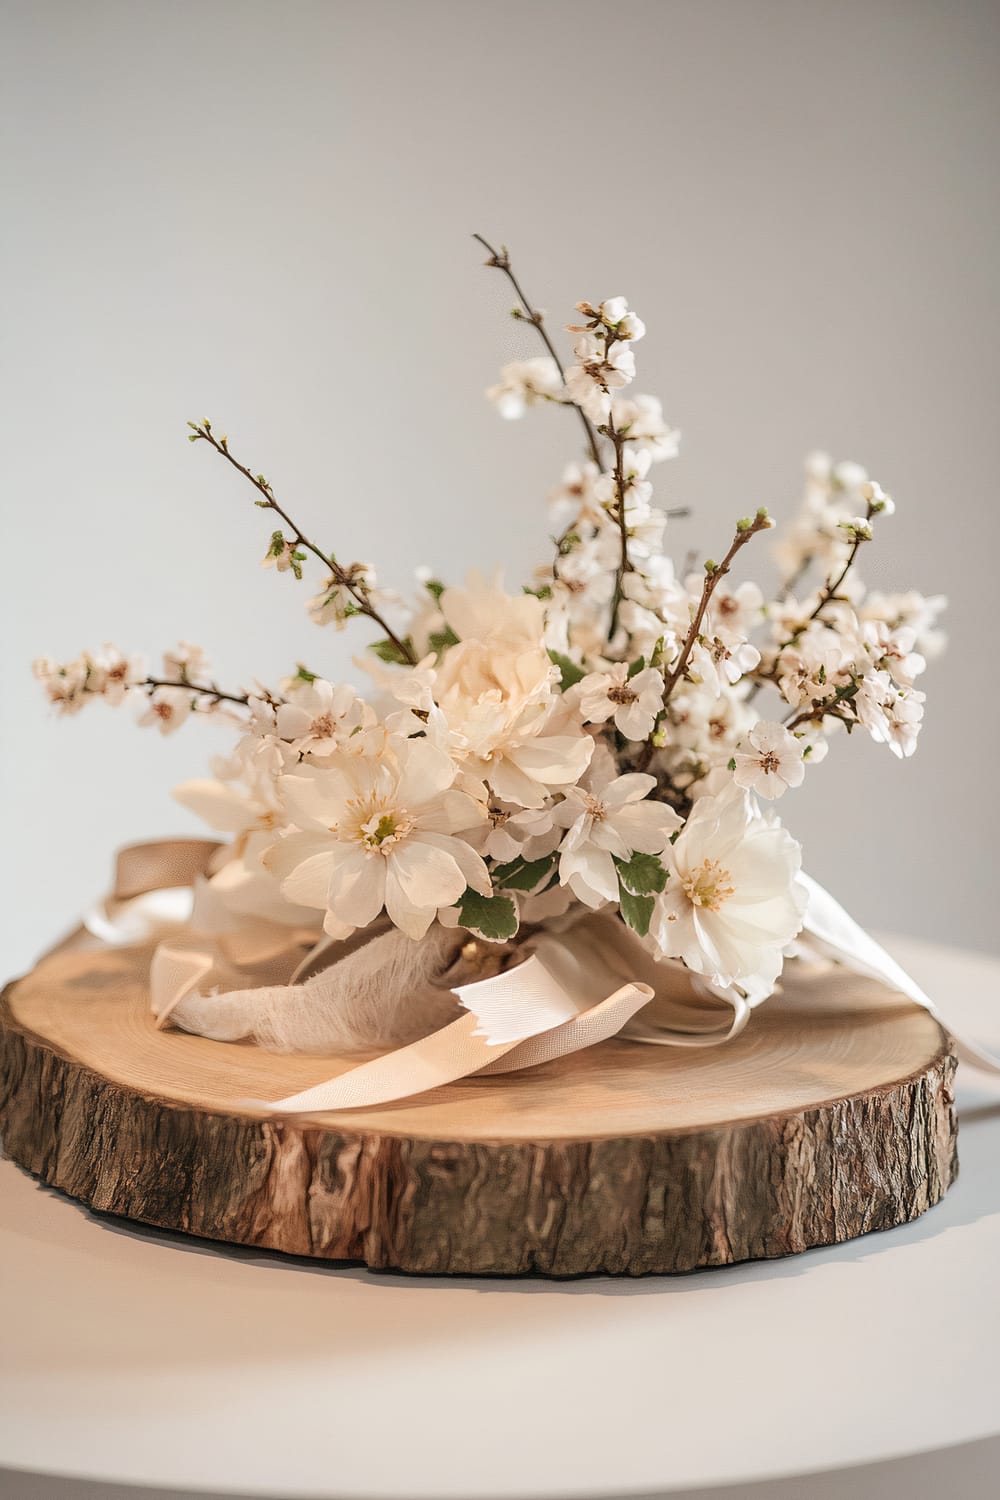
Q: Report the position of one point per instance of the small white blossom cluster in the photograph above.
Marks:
(604, 738)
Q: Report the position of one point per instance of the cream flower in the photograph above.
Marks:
(167, 708)
(495, 691)
(634, 702)
(611, 821)
(524, 383)
(598, 373)
(772, 762)
(320, 716)
(242, 801)
(378, 831)
(64, 683)
(732, 902)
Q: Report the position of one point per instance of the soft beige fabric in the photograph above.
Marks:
(388, 992)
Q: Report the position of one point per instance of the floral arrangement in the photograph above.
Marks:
(614, 737)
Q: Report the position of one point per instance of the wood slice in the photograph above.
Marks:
(830, 1116)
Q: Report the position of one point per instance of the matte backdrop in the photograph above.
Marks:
(262, 213)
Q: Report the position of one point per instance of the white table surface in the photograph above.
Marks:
(131, 1358)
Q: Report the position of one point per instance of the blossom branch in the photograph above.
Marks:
(861, 534)
(500, 260)
(207, 690)
(714, 573)
(345, 578)
(623, 561)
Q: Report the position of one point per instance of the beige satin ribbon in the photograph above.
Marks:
(553, 1003)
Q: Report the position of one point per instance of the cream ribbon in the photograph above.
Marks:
(553, 1003)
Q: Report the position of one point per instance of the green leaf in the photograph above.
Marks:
(636, 910)
(303, 674)
(642, 875)
(388, 651)
(636, 667)
(523, 874)
(434, 587)
(440, 640)
(491, 917)
(569, 672)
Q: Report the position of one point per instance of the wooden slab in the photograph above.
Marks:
(830, 1116)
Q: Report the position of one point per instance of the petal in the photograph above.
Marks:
(309, 882)
(646, 826)
(472, 866)
(219, 805)
(631, 787)
(554, 759)
(590, 875)
(356, 892)
(425, 772)
(428, 876)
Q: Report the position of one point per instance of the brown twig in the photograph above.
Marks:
(623, 561)
(714, 573)
(500, 260)
(218, 696)
(341, 576)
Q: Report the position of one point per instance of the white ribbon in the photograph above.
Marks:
(572, 990)
(836, 935)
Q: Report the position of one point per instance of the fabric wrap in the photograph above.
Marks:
(440, 1009)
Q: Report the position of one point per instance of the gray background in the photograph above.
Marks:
(261, 213)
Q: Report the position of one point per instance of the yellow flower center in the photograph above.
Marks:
(708, 885)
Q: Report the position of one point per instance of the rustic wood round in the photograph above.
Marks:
(830, 1116)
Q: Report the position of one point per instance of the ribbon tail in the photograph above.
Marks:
(845, 940)
(517, 1019)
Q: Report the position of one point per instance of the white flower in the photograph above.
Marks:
(892, 716)
(732, 901)
(515, 833)
(715, 662)
(335, 602)
(913, 610)
(735, 613)
(167, 708)
(115, 673)
(64, 683)
(283, 555)
(614, 313)
(378, 831)
(524, 383)
(894, 650)
(598, 373)
(809, 673)
(773, 762)
(634, 702)
(320, 716)
(495, 691)
(611, 820)
(186, 662)
(573, 501)
(640, 420)
(242, 801)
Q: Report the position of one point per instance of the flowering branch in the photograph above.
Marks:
(207, 690)
(623, 562)
(500, 260)
(714, 573)
(350, 579)
(825, 708)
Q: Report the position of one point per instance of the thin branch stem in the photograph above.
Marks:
(341, 576)
(623, 561)
(713, 577)
(826, 708)
(829, 590)
(500, 260)
(216, 694)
